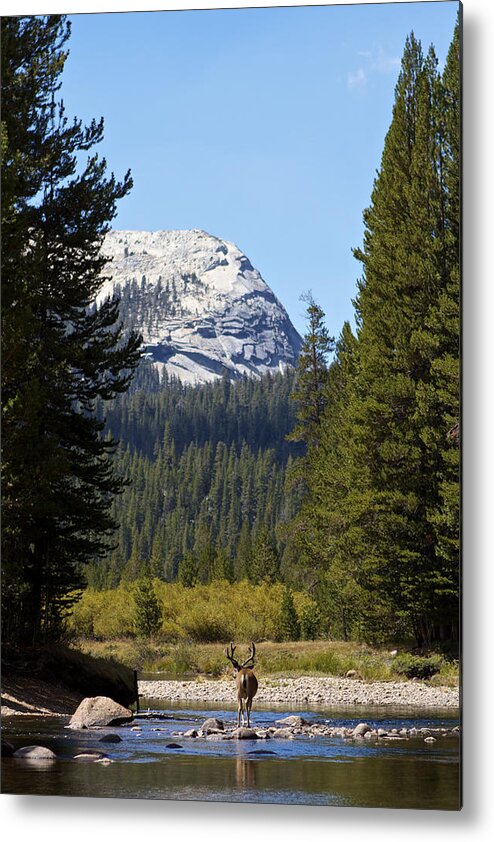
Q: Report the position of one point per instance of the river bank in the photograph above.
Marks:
(28, 696)
(308, 690)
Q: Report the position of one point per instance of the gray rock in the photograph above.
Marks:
(219, 736)
(228, 318)
(291, 722)
(282, 734)
(361, 729)
(381, 732)
(191, 733)
(89, 756)
(34, 753)
(245, 734)
(99, 711)
(262, 751)
(173, 745)
(430, 740)
(110, 738)
(213, 724)
(353, 674)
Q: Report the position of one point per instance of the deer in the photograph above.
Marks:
(245, 680)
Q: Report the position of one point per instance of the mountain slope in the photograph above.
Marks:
(201, 306)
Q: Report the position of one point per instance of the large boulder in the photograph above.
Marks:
(100, 711)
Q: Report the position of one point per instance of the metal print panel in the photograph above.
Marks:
(231, 405)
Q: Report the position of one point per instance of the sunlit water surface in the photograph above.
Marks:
(405, 773)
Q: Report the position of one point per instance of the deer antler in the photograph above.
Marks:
(252, 651)
(229, 655)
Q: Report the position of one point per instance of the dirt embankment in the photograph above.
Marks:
(24, 695)
(53, 680)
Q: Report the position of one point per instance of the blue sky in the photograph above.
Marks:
(262, 126)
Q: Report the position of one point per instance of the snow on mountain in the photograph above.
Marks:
(199, 303)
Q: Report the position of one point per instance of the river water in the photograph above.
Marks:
(331, 771)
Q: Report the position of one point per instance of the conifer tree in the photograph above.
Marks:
(147, 617)
(405, 279)
(312, 370)
(59, 352)
(289, 625)
(264, 558)
(187, 571)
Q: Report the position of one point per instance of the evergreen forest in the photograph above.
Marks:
(339, 480)
(210, 480)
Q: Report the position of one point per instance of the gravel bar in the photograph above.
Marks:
(310, 690)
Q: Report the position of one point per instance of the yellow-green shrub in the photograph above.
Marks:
(220, 611)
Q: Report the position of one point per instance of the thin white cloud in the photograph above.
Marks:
(378, 61)
(357, 79)
(382, 63)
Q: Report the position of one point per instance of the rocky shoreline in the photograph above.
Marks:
(307, 690)
(32, 697)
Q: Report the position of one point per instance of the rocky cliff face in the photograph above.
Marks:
(200, 305)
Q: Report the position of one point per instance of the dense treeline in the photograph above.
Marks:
(258, 413)
(349, 492)
(380, 521)
(58, 354)
(210, 480)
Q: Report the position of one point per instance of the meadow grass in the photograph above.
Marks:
(197, 622)
(318, 658)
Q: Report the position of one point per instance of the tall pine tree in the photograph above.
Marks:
(59, 352)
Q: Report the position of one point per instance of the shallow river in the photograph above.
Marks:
(406, 773)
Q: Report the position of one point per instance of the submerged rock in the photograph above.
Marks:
(110, 738)
(34, 753)
(90, 756)
(261, 751)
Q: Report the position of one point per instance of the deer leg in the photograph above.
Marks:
(248, 705)
(239, 709)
